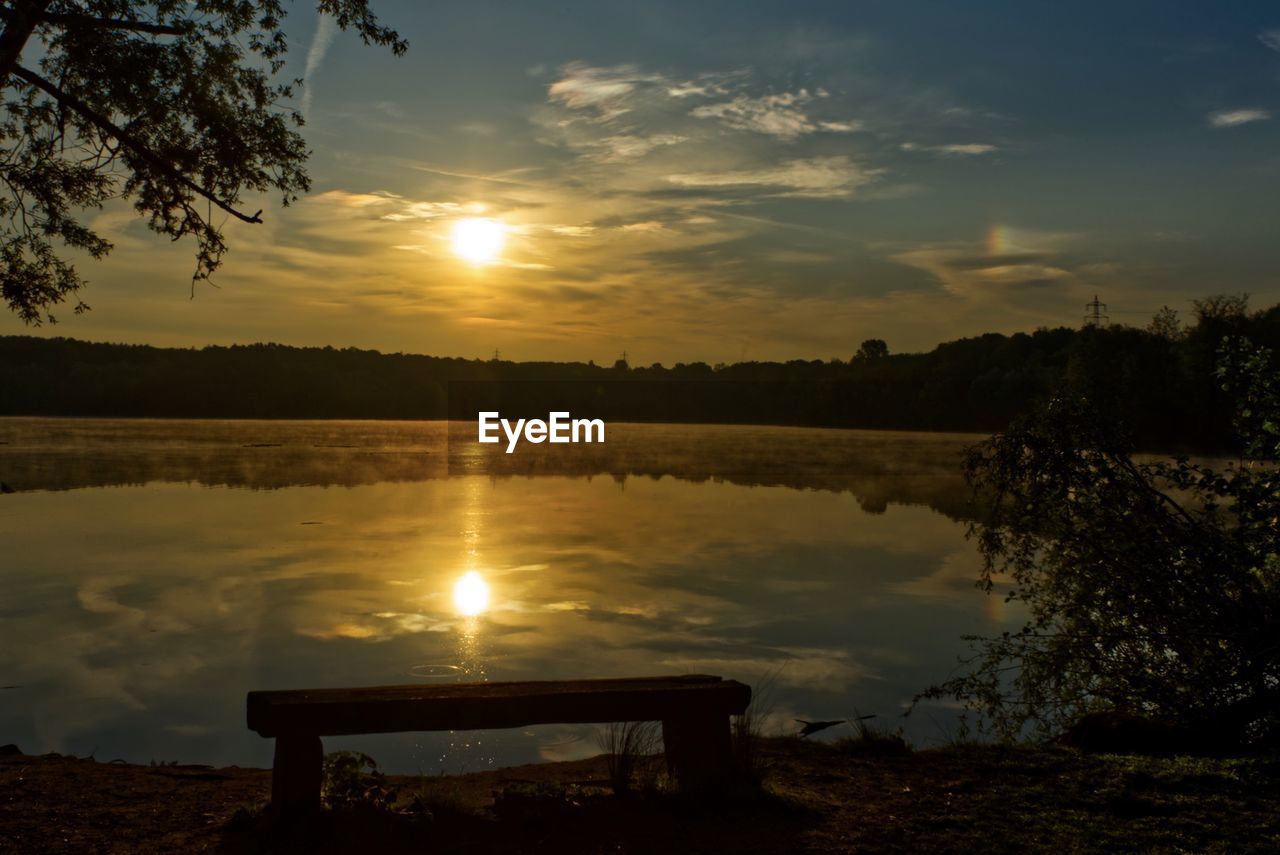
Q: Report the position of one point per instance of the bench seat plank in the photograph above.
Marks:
(478, 706)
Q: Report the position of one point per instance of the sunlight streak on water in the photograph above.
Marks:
(469, 749)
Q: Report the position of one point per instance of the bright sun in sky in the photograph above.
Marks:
(478, 239)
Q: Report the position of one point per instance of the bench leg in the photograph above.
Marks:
(297, 775)
(699, 752)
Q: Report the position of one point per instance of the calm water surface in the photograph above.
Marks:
(155, 571)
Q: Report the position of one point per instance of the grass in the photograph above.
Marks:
(438, 795)
(631, 750)
(748, 732)
(873, 739)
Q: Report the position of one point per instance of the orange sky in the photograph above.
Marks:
(736, 181)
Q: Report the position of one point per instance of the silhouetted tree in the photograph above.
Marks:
(174, 106)
(1164, 391)
(1221, 312)
(1167, 325)
(1152, 587)
(872, 348)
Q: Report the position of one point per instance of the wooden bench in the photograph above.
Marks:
(694, 711)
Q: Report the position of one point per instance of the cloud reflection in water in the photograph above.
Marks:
(139, 615)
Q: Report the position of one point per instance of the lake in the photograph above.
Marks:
(155, 571)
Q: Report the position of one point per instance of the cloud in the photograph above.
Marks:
(431, 210)
(709, 84)
(391, 206)
(624, 147)
(605, 91)
(320, 41)
(816, 177)
(639, 133)
(478, 129)
(1270, 38)
(649, 226)
(686, 90)
(973, 277)
(357, 200)
(952, 149)
(779, 115)
(1009, 267)
(1232, 118)
(604, 94)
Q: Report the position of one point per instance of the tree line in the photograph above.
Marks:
(1156, 381)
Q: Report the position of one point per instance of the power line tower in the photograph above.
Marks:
(1096, 313)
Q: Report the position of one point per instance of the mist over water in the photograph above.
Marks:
(158, 570)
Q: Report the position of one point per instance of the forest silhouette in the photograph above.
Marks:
(1158, 382)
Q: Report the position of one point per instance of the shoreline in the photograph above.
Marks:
(817, 797)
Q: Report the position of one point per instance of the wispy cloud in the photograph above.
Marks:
(624, 147)
(574, 231)
(952, 149)
(1009, 267)
(976, 276)
(320, 41)
(478, 129)
(1270, 38)
(816, 177)
(606, 94)
(604, 91)
(777, 115)
(395, 208)
(1234, 118)
(645, 226)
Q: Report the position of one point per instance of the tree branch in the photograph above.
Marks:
(107, 23)
(20, 23)
(129, 141)
(1127, 464)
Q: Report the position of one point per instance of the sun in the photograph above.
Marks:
(478, 239)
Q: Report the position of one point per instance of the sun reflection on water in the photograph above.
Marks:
(471, 601)
(471, 594)
(467, 749)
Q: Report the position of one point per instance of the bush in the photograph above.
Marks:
(1152, 587)
(352, 781)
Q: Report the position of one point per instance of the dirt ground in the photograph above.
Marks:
(816, 798)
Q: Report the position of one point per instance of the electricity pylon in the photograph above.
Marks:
(1096, 315)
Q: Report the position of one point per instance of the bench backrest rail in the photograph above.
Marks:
(476, 706)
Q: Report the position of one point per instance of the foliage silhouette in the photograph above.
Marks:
(352, 781)
(1151, 587)
(872, 348)
(174, 106)
(1165, 390)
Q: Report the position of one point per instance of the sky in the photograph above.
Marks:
(726, 181)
